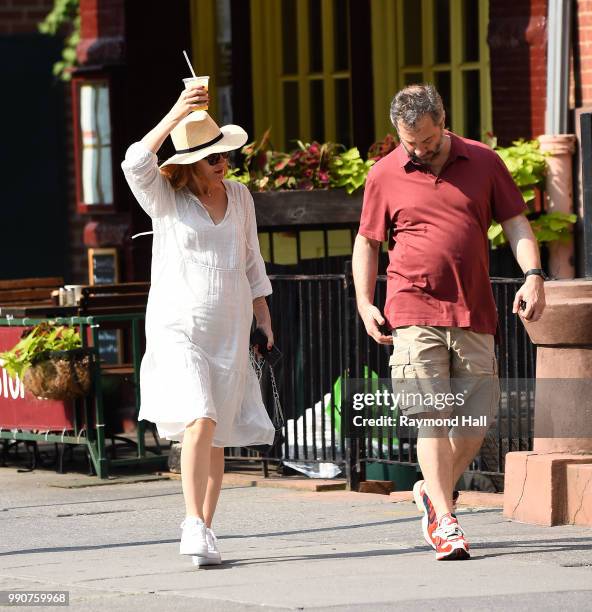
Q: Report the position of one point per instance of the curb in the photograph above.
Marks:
(94, 481)
(472, 499)
(280, 482)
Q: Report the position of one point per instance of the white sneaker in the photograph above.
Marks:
(193, 538)
(212, 557)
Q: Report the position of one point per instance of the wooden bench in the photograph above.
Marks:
(29, 291)
(120, 298)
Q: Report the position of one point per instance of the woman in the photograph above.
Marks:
(208, 279)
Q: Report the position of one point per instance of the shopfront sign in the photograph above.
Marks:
(20, 409)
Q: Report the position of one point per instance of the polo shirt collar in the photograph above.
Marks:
(458, 148)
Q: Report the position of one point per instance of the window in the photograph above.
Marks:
(301, 70)
(93, 133)
(439, 41)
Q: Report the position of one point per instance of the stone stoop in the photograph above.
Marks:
(579, 494)
(548, 489)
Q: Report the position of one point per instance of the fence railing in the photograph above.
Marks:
(323, 341)
(514, 425)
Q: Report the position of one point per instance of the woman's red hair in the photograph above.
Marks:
(177, 174)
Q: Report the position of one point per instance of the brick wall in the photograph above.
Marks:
(22, 17)
(517, 40)
(583, 53)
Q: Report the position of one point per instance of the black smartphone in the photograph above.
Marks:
(385, 329)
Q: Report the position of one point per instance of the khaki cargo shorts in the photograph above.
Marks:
(445, 371)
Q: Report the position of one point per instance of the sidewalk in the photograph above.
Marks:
(116, 547)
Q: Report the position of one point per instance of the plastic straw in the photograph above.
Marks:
(189, 64)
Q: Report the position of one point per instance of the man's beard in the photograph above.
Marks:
(433, 154)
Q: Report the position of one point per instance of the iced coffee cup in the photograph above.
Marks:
(200, 81)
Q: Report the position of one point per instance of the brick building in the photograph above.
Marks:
(37, 166)
(319, 69)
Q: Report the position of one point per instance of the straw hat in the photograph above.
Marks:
(198, 136)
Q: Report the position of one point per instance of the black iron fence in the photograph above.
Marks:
(324, 341)
(513, 429)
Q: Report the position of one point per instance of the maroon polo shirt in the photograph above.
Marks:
(438, 272)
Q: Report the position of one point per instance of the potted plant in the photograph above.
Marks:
(314, 184)
(528, 166)
(51, 362)
(308, 185)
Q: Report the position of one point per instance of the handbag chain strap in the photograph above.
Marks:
(278, 413)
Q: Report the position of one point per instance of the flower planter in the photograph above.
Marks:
(314, 207)
(19, 408)
(64, 375)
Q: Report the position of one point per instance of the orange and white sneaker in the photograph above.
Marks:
(450, 540)
(429, 522)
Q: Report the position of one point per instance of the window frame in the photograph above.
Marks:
(268, 77)
(389, 70)
(81, 206)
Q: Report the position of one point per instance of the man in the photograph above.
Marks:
(434, 197)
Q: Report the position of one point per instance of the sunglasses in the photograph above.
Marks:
(214, 158)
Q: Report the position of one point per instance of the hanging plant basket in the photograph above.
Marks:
(61, 375)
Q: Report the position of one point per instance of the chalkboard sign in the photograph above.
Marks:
(103, 266)
(110, 345)
(103, 269)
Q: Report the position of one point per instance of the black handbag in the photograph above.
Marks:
(264, 372)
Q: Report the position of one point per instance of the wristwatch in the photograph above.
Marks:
(537, 272)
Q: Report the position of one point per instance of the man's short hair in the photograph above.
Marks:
(414, 102)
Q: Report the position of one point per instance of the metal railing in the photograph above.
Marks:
(323, 340)
(88, 424)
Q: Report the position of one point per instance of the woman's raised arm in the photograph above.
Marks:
(189, 100)
(140, 166)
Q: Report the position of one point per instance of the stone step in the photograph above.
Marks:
(579, 494)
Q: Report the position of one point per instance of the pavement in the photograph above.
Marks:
(115, 547)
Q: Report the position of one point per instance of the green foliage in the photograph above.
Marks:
(36, 343)
(310, 166)
(527, 165)
(307, 167)
(329, 165)
(496, 235)
(236, 174)
(349, 170)
(64, 17)
(553, 226)
(547, 227)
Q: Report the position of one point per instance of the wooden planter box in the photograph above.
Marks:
(305, 208)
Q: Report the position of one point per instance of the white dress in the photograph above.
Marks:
(200, 308)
